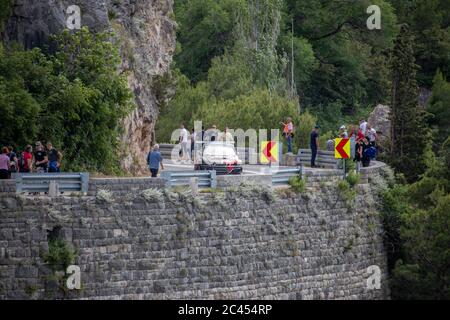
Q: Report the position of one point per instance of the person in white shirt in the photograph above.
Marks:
(184, 143)
(226, 136)
(372, 134)
(363, 126)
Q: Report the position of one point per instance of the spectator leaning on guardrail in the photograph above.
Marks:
(154, 160)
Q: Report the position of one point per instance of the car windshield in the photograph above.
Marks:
(220, 149)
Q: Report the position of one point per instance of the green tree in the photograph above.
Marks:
(20, 113)
(439, 107)
(304, 126)
(422, 269)
(92, 99)
(24, 78)
(73, 97)
(344, 49)
(182, 107)
(258, 109)
(409, 134)
(205, 31)
(429, 21)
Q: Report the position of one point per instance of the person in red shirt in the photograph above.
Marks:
(25, 159)
(360, 135)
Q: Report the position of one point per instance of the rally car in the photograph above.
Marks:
(219, 156)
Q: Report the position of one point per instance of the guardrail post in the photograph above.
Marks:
(213, 179)
(194, 186)
(84, 183)
(19, 183)
(53, 188)
(167, 176)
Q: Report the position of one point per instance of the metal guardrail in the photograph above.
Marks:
(166, 150)
(40, 182)
(205, 179)
(282, 176)
(324, 158)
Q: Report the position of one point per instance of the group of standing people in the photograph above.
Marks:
(41, 160)
(188, 139)
(363, 139)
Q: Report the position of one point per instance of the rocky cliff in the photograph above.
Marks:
(147, 36)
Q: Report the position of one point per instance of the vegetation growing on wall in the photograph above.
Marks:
(297, 184)
(60, 255)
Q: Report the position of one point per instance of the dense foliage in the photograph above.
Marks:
(439, 109)
(233, 47)
(409, 133)
(417, 220)
(429, 21)
(73, 97)
(250, 63)
(319, 54)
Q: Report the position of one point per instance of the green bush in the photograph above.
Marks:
(353, 179)
(347, 192)
(60, 254)
(297, 184)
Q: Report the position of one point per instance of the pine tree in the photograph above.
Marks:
(409, 133)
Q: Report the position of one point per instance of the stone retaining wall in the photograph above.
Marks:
(124, 185)
(255, 243)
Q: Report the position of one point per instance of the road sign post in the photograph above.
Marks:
(342, 151)
(345, 169)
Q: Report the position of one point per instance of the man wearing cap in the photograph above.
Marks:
(343, 132)
(154, 160)
(314, 144)
(40, 158)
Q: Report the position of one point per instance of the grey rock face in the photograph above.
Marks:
(379, 119)
(147, 37)
(32, 21)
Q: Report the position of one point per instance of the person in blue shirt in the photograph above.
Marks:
(154, 160)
